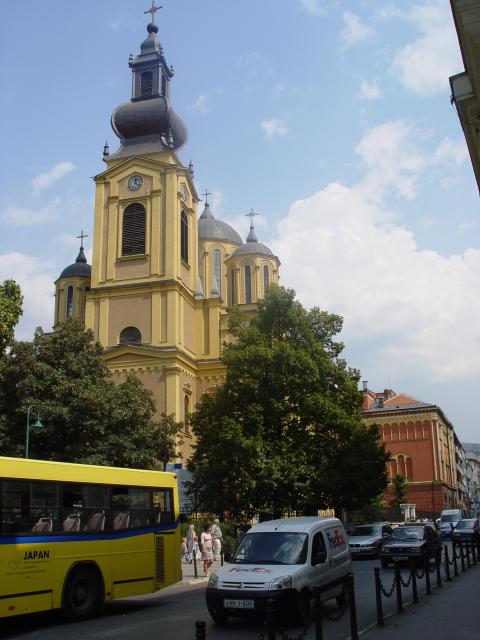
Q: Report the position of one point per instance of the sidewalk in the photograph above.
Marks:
(188, 572)
(450, 613)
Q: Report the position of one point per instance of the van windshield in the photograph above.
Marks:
(450, 517)
(276, 547)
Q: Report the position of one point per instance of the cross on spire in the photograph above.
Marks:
(153, 10)
(206, 194)
(81, 237)
(251, 214)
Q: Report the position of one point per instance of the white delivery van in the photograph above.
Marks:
(284, 560)
(449, 519)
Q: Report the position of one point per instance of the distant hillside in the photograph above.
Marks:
(471, 446)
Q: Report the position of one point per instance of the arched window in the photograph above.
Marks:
(69, 302)
(248, 285)
(393, 464)
(146, 80)
(130, 335)
(233, 293)
(184, 237)
(217, 269)
(133, 231)
(266, 277)
(409, 470)
(186, 413)
(401, 466)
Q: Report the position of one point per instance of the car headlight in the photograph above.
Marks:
(283, 582)
(213, 581)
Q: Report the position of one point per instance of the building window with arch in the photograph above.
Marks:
(217, 269)
(233, 293)
(70, 302)
(146, 84)
(248, 284)
(266, 277)
(133, 229)
(130, 335)
(186, 414)
(184, 236)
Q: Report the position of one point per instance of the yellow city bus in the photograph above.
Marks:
(73, 536)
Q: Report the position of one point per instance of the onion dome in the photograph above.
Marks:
(252, 246)
(148, 124)
(79, 269)
(209, 228)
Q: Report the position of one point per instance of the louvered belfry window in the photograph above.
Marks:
(133, 233)
(184, 237)
(146, 88)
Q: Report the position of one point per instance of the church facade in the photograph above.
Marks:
(163, 280)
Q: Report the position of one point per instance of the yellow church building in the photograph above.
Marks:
(162, 280)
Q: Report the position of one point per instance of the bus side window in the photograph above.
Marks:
(120, 508)
(16, 516)
(163, 506)
(131, 508)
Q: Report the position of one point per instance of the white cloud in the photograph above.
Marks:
(368, 91)
(273, 128)
(407, 311)
(425, 64)
(201, 104)
(466, 226)
(35, 277)
(315, 7)
(354, 30)
(451, 151)
(45, 180)
(426, 223)
(27, 216)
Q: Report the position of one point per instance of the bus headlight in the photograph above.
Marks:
(213, 581)
(283, 582)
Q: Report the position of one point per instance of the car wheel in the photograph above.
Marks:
(219, 616)
(82, 596)
(384, 562)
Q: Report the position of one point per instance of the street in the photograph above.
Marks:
(171, 614)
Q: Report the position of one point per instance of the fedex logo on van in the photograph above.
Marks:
(335, 539)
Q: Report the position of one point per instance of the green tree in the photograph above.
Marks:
(11, 301)
(86, 416)
(283, 433)
(399, 492)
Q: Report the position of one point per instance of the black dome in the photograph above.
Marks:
(79, 268)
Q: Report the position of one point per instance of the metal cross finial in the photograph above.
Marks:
(251, 214)
(206, 194)
(153, 11)
(81, 237)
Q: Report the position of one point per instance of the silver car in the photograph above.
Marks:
(367, 539)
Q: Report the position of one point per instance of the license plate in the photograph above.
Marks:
(238, 604)
(400, 557)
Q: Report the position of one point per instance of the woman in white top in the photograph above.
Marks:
(206, 541)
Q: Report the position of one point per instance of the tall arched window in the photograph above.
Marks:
(393, 464)
(130, 335)
(217, 269)
(233, 293)
(186, 413)
(266, 277)
(409, 470)
(248, 284)
(184, 237)
(69, 302)
(401, 466)
(146, 88)
(133, 231)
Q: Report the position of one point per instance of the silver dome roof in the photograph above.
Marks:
(209, 228)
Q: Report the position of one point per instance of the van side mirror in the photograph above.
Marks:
(319, 557)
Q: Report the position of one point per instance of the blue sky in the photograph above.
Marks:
(332, 119)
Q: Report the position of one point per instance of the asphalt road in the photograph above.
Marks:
(171, 615)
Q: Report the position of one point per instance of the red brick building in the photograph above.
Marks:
(421, 443)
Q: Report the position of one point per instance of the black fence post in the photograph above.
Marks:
(462, 557)
(271, 618)
(474, 555)
(467, 549)
(378, 597)
(455, 566)
(398, 581)
(438, 566)
(221, 557)
(427, 576)
(318, 614)
(200, 630)
(447, 566)
(353, 607)
(195, 568)
(413, 575)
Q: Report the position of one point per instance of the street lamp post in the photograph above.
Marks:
(37, 425)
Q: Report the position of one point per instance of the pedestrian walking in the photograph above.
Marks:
(206, 542)
(192, 543)
(217, 539)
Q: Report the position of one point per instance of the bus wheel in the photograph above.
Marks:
(82, 595)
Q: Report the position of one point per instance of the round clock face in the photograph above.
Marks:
(135, 182)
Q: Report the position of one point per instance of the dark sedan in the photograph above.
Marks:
(411, 542)
(466, 531)
(367, 539)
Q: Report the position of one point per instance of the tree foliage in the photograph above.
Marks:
(399, 491)
(86, 416)
(11, 301)
(283, 433)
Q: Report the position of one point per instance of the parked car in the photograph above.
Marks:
(467, 530)
(281, 560)
(367, 539)
(449, 520)
(417, 541)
